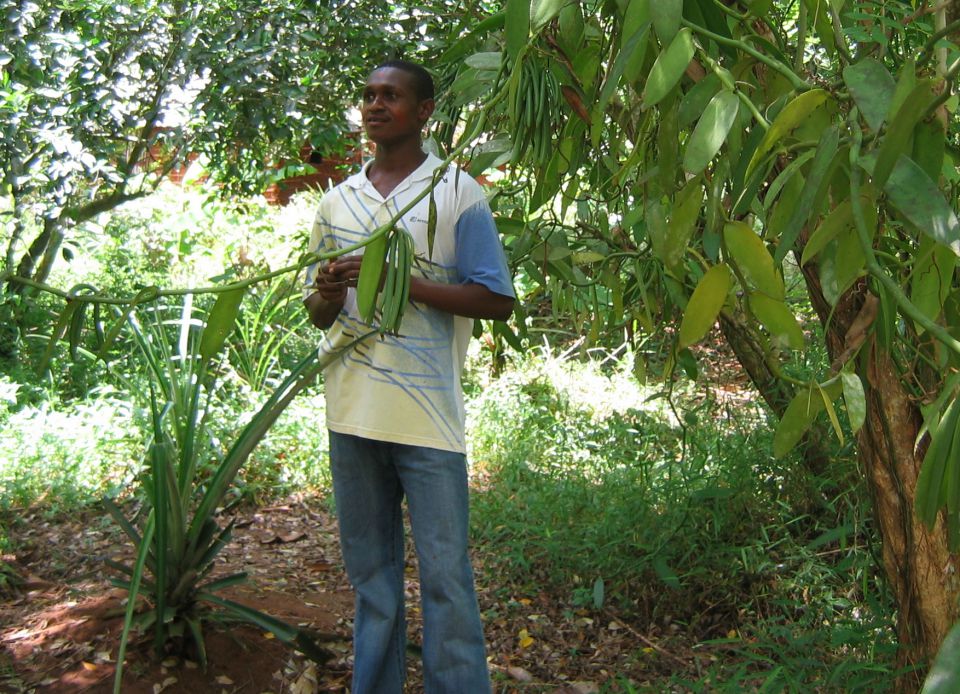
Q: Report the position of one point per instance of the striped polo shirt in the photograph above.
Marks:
(406, 388)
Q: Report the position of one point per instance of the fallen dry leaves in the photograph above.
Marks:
(60, 631)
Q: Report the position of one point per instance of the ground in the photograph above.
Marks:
(60, 630)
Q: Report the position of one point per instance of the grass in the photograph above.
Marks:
(61, 455)
(589, 488)
(665, 507)
(595, 491)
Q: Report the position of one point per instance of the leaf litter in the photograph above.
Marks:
(60, 630)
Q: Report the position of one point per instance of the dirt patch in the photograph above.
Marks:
(61, 631)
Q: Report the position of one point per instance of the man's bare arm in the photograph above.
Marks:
(321, 311)
(471, 300)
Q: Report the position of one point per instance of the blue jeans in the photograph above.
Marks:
(370, 479)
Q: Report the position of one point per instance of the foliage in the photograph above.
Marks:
(698, 154)
(63, 454)
(592, 490)
(271, 323)
(100, 101)
(181, 538)
(710, 162)
(944, 676)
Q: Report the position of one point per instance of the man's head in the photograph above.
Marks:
(397, 101)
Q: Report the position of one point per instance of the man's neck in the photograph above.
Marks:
(393, 163)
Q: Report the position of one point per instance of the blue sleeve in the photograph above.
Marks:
(480, 257)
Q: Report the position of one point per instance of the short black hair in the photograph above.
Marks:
(422, 80)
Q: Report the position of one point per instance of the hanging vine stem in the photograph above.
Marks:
(949, 76)
(724, 77)
(942, 32)
(795, 80)
(153, 293)
(866, 244)
(801, 37)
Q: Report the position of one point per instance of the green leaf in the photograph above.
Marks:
(503, 330)
(921, 202)
(931, 279)
(542, 11)
(636, 15)
(616, 72)
(778, 319)
(665, 573)
(791, 179)
(792, 115)
(752, 258)
(431, 223)
(944, 674)
(489, 60)
(570, 25)
(704, 305)
(371, 272)
(934, 469)
(251, 434)
(797, 418)
(849, 260)
(683, 221)
(896, 140)
(666, 16)
(668, 68)
(224, 582)
(711, 131)
(929, 146)
(819, 17)
(516, 27)
(586, 257)
(840, 218)
(75, 331)
(598, 594)
(872, 88)
(132, 594)
(220, 323)
(696, 99)
(816, 179)
(831, 413)
(59, 330)
(855, 400)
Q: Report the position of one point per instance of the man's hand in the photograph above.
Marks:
(336, 276)
(332, 281)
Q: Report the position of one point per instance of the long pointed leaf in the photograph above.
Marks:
(210, 552)
(222, 318)
(132, 601)
(255, 430)
(225, 582)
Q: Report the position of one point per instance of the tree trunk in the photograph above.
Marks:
(38, 249)
(918, 565)
(776, 392)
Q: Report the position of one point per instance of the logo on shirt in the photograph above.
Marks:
(414, 219)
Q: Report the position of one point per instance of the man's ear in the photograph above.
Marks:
(425, 110)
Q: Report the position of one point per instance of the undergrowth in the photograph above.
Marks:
(596, 491)
(664, 507)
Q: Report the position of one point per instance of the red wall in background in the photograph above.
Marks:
(328, 171)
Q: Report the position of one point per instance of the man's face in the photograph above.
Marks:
(390, 108)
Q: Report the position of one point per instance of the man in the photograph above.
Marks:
(395, 405)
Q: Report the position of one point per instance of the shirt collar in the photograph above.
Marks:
(424, 171)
